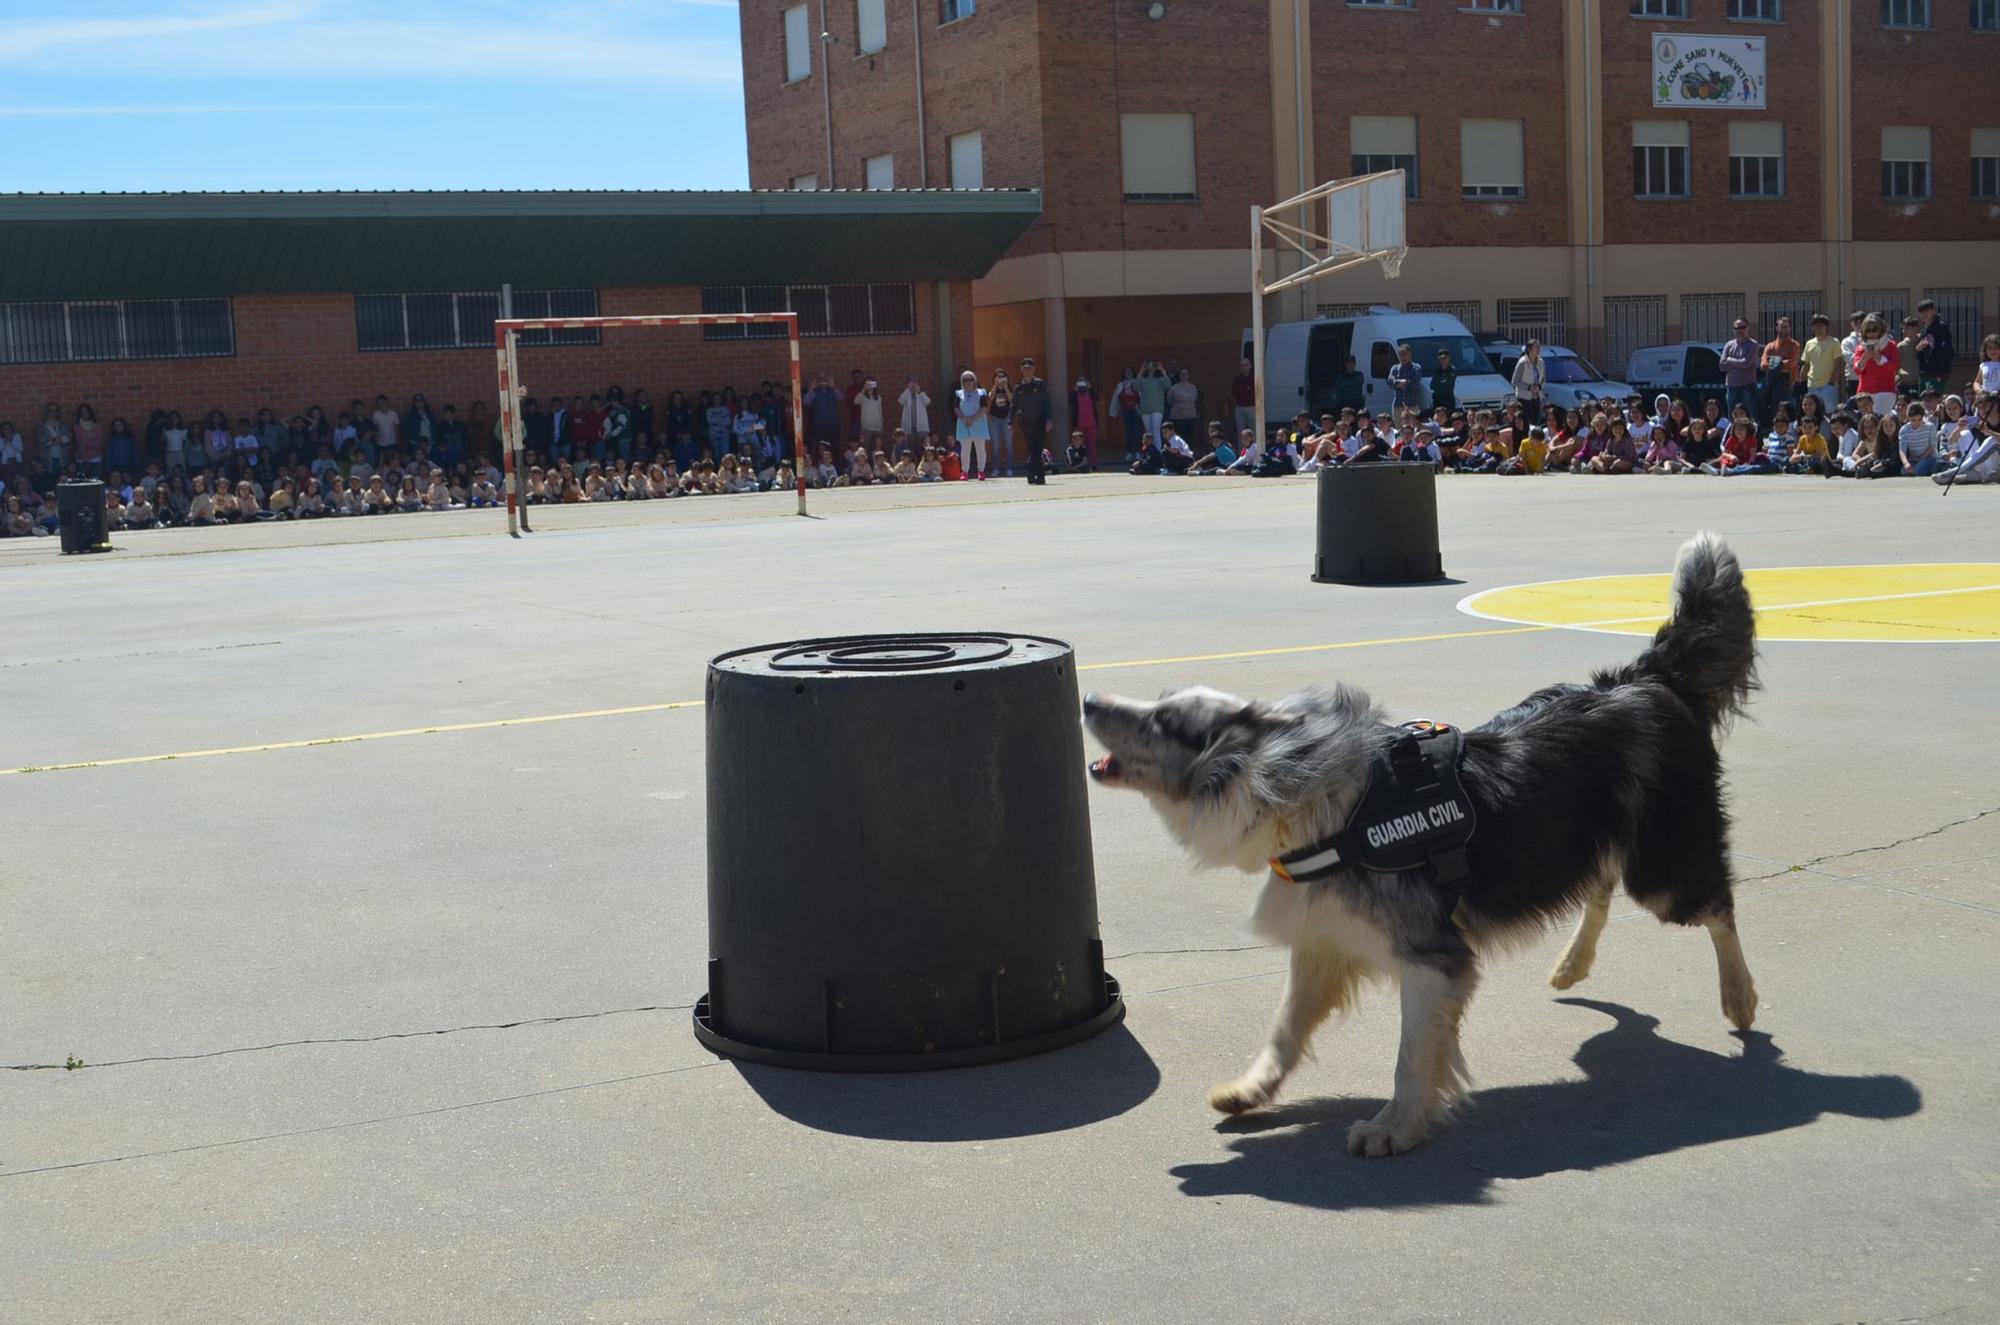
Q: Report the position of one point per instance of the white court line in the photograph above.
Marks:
(1468, 605)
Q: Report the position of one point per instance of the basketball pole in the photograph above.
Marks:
(798, 411)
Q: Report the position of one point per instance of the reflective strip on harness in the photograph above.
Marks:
(1414, 814)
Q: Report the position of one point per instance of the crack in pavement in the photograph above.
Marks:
(345, 1039)
(359, 1122)
(1885, 846)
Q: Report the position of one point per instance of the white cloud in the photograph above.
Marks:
(304, 41)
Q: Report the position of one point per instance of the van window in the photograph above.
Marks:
(1380, 360)
(1704, 366)
(1326, 353)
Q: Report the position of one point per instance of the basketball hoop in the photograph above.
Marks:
(1364, 220)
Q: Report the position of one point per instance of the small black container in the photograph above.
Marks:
(85, 527)
(899, 867)
(1378, 524)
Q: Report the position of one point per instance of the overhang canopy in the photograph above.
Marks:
(153, 245)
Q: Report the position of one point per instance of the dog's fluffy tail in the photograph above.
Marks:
(1707, 651)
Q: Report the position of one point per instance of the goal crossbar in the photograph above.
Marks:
(506, 346)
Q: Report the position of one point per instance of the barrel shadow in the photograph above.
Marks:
(1086, 1083)
(1640, 1095)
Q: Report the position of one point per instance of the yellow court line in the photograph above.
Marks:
(351, 740)
(696, 703)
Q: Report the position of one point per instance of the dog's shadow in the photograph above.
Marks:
(1640, 1095)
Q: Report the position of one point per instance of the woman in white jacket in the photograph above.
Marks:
(916, 404)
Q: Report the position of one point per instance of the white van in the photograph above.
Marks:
(1303, 359)
(1570, 380)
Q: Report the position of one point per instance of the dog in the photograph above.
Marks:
(1567, 793)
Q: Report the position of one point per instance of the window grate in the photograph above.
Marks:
(99, 330)
(824, 310)
(1798, 305)
(1472, 312)
(1711, 318)
(1631, 323)
(1545, 320)
(463, 319)
(1893, 305)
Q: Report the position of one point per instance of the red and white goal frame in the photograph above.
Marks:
(506, 341)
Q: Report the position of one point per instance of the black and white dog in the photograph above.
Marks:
(1361, 829)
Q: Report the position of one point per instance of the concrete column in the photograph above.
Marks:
(1583, 58)
(1836, 158)
(947, 370)
(1292, 168)
(1055, 367)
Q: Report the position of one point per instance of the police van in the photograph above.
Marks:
(1304, 360)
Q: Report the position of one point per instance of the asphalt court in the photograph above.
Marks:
(368, 881)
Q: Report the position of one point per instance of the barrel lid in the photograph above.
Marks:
(891, 654)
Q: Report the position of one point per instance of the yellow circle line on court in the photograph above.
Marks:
(1924, 603)
(492, 723)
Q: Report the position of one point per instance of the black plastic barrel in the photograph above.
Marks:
(899, 867)
(1378, 524)
(81, 516)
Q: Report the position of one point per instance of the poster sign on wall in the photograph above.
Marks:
(1708, 73)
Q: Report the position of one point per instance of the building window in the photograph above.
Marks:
(1659, 8)
(1756, 159)
(871, 26)
(1906, 162)
(102, 329)
(880, 171)
(1495, 7)
(1986, 164)
(1381, 4)
(463, 319)
(1963, 309)
(798, 44)
(1891, 304)
(1157, 152)
(950, 11)
(1710, 318)
(1472, 312)
(968, 161)
(1986, 15)
(1906, 13)
(555, 303)
(1659, 159)
(1385, 142)
(1631, 323)
(805, 183)
(1491, 158)
(1757, 11)
(1797, 306)
(1545, 320)
(824, 310)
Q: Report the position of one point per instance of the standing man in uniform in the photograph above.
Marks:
(1031, 412)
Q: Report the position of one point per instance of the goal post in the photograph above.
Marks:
(506, 351)
(1340, 224)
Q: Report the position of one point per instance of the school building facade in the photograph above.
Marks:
(1549, 195)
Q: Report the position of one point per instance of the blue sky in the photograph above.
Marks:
(367, 94)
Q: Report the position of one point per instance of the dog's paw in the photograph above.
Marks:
(1375, 1137)
(1569, 972)
(1238, 1096)
(1739, 1002)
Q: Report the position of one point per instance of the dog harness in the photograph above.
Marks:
(1414, 815)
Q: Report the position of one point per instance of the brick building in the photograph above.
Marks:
(240, 301)
(1549, 194)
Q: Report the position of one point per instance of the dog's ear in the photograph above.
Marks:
(1217, 773)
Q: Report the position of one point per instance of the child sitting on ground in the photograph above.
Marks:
(1809, 455)
(928, 469)
(1663, 454)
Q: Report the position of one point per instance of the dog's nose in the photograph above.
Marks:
(1090, 702)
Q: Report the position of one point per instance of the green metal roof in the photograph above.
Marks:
(140, 245)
